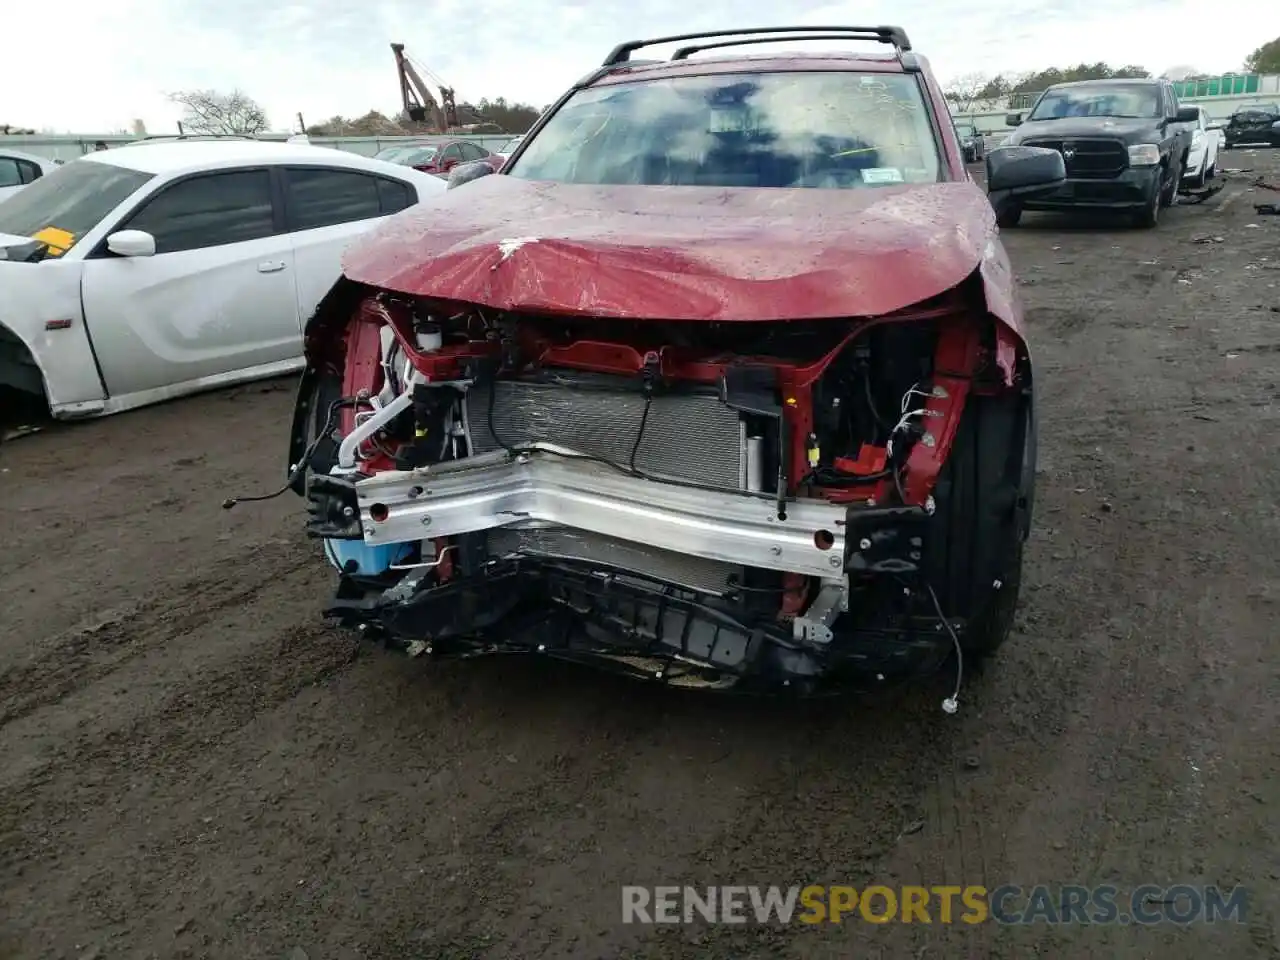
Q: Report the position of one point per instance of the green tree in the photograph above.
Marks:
(1266, 59)
(508, 116)
(1041, 79)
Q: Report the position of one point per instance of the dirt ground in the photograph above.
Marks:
(194, 765)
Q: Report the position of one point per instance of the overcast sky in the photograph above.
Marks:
(89, 66)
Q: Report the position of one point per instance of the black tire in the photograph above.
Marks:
(1170, 192)
(1008, 215)
(984, 500)
(1149, 216)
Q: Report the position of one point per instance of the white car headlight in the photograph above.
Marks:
(1144, 154)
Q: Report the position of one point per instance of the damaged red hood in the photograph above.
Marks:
(681, 253)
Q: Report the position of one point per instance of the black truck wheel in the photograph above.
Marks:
(984, 500)
(1008, 214)
(1149, 216)
(1170, 192)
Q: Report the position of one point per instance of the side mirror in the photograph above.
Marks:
(467, 172)
(1013, 120)
(1187, 115)
(132, 243)
(1023, 172)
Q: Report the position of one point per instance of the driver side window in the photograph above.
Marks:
(452, 152)
(209, 210)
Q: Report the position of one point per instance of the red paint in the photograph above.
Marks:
(869, 461)
(955, 360)
(686, 253)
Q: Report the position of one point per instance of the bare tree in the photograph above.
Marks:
(212, 112)
(966, 90)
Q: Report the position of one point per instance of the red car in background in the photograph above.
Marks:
(437, 158)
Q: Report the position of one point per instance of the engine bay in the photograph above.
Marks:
(769, 476)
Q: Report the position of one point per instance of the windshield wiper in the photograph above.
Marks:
(31, 251)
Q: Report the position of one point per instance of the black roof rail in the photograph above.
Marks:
(684, 52)
(891, 35)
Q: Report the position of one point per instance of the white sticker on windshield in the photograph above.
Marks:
(882, 175)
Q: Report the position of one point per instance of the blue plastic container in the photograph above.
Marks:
(369, 561)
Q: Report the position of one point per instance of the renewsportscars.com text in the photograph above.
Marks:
(1009, 904)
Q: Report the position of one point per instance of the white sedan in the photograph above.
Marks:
(19, 169)
(1202, 160)
(135, 275)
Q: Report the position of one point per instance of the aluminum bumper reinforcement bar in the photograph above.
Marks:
(548, 484)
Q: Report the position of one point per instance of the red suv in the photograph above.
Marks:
(722, 380)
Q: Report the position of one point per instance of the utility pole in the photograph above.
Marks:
(302, 127)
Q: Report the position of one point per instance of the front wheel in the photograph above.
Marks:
(1170, 192)
(1008, 215)
(983, 510)
(1149, 216)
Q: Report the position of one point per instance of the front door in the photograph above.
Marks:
(218, 296)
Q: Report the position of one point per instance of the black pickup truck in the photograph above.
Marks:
(1124, 144)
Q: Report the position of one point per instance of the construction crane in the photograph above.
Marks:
(417, 100)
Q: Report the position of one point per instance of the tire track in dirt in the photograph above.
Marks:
(67, 662)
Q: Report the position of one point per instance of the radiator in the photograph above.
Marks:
(687, 436)
(680, 569)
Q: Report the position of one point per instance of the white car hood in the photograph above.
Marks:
(12, 239)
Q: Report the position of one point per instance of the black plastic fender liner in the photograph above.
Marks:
(1030, 452)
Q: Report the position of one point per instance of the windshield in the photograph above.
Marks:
(817, 129)
(398, 152)
(69, 202)
(1131, 101)
(417, 155)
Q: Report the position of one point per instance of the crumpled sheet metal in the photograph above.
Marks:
(689, 253)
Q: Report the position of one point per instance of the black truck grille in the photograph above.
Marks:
(1088, 159)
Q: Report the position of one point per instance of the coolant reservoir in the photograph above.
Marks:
(429, 337)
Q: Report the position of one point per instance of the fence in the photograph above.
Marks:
(1227, 85)
(70, 147)
(1232, 92)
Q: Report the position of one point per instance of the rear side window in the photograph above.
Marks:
(28, 171)
(394, 195)
(472, 151)
(208, 211)
(9, 173)
(322, 198)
